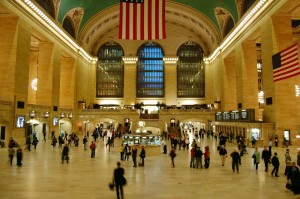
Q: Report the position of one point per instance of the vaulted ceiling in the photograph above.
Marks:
(93, 20)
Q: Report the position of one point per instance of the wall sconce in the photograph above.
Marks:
(46, 115)
(32, 114)
(70, 115)
(62, 115)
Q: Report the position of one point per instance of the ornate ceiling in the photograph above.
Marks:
(205, 20)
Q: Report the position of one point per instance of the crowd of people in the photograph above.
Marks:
(198, 158)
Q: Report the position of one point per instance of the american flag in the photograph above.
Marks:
(286, 63)
(142, 19)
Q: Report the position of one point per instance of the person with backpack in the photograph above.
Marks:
(65, 154)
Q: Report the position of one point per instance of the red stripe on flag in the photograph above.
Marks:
(164, 19)
(286, 77)
(142, 21)
(287, 72)
(149, 19)
(287, 57)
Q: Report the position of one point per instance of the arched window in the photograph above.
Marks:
(150, 71)
(229, 25)
(48, 6)
(246, 5)
(190, 71)
(110, 71)
(68, 26)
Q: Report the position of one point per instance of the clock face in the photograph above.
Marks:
(141, 124)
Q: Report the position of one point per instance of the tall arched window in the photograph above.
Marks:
(190, 71)
(150, 71)
(68, 26)
(48, 6)
(110, 71)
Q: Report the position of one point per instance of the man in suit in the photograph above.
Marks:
(119, 180)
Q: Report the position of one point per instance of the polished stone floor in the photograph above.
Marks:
(43, 176)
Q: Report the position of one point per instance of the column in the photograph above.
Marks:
(247, 76)
(130, 80)
(44, 74)
(229, 84)
(171, 80)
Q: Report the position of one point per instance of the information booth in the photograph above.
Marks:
(145, 139)
(151, 142)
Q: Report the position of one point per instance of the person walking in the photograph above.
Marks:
(28, 143)
(172, 155)
(288, 160)
(119, 180)
(54, 141)
(270, 144)
(122, 148)
(11, 154)
(19, 156)
(256, 158)
(93, 149)
(236, 160)
(65, 153)
(84, 142)
(134, 155)
(275, 163)
(143, 156)
(35, 141)
(223, 154)
(266, 156)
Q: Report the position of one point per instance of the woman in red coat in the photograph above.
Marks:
(206, 157)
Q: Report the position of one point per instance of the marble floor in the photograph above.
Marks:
(43, 176)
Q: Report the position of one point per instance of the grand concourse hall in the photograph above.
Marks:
(146, 69)
(43, 176)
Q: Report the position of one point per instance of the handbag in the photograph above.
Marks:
(124, 181)
(111, 186)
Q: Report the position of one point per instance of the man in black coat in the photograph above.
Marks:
(275, 163)
(119, 180)
(266, 156)
(236, 160)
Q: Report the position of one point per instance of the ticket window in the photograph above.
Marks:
(255, 133)
(286, 135)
